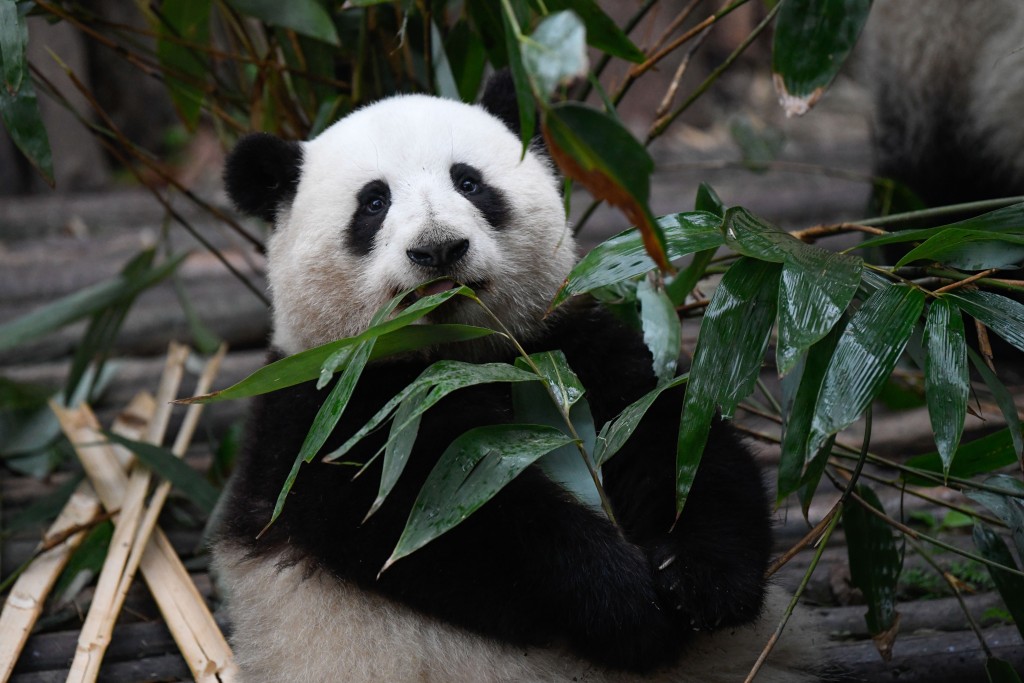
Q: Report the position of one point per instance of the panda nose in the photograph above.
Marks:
(439, 255)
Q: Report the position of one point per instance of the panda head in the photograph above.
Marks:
(397, 193)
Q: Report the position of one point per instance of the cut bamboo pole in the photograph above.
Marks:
(25, 601)
(200, 640)
(117, 569)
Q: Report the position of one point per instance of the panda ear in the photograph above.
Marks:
(499, 99)
(261, 173)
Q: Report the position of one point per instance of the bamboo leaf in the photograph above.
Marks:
(812, 40)
(557, 375)
(401, 439)
(730, 349)
(969, 249)
(602, 31)
(875, 562)
(80, 305)
(306, 17)
(173, 469)
(616, 432)
(471, 471)
(986, 454)
(13, 38)
(556, 52)
(444, 78)
(1004, 399)
(1008, 507)
(946, 379)
(1000, 671)
(864, 359)
(661, 328)
(20, 113)
(185, 68)
(1002, 315)
(624, 256)
(1009, 219)
(1010, 586)
(593, 147)
(521, 80)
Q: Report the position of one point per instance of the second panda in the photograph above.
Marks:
(534, 586)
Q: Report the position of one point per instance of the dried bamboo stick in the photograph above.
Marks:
(117, 569)
(25, 601)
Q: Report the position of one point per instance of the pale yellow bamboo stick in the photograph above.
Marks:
(25, 601)
(117, 569)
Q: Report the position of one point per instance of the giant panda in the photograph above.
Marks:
(534, 586)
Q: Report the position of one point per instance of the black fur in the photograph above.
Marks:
(373, 200)
(262, 173)
(532, 566)
(489, 200)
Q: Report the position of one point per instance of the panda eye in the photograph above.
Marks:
(468, 185)
(374, 205)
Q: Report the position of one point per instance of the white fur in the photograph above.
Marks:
(323, 292)
(291, 623)
(968, 53)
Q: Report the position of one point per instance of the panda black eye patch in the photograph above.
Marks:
(489, 200)
(372, 204)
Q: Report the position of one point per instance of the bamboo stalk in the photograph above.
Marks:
(118, 570)
(25, 601)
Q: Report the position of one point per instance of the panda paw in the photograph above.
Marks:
(704, 596)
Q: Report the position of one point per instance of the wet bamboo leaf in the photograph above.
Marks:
(20, 114)
(812, 40)
(13, 38)
(554, 369)
(1010, 586)
(969, 249)
(1008, 507)
(1004, 399)
(616, 432)
(173, 469)
(185, 67)
(592, 147)
(602, 31)
(730, 349)
(1009, 219)
(864, 359)
(556, 52)
(1000, 671)
(708, 200)
(401, 439)
(441, 378)
(306, 17)
(623, 256)
(471, 471)
(564, 465)
(875, 562)
(946, 379)
(80, 305)
(806, 378)
(987, 454)
(662, 331)
(1002, 315)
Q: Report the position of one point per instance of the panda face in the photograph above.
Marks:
(406, 190)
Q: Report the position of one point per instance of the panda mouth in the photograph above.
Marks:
(438, 287)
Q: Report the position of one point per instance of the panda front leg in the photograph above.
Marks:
(535, 567)
(710, 565)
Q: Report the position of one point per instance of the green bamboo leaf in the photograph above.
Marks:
(87, 559)
(1009, 219)
(20, 113)
(401, 439)
(557, 375)
(803, 384)
(616, 432)
(602, 31)
(185, 67)
(1010, 586)
(816, 288)
(730, 349)
(983, 455)
(708, 200)
(864, 358)
(1000, 314)
(1008, 507)
(875, 562)
(662, 331)
(81, 304)
(556, 52)
(969, 249)
(623, 256)
(594, 148)
(946, 379)
(444, 78)
(441, 378)
(1000, 671)
(471, 471)
(1004, 399)
(467, 58)
(521, 80)
(812, 40)
(13, 38)
(306, 17)
(173, 469)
